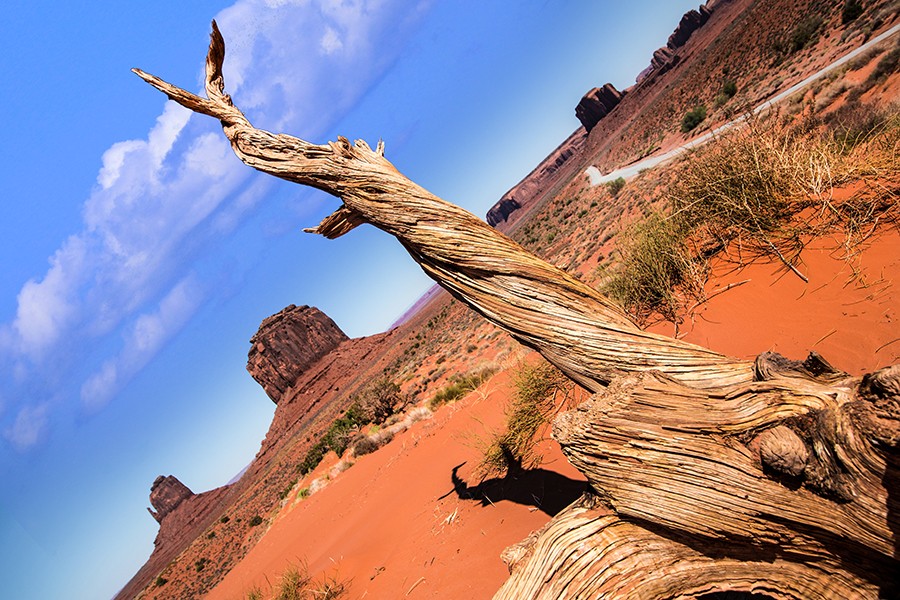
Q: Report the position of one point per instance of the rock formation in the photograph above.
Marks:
(665, 58)
(690, 22)
(166, 494)
(596, 104)
(501, 211)
(525, 193)
(287, 343)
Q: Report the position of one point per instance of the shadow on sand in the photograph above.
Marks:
(546, 490)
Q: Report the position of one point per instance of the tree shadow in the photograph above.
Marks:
(548, 491)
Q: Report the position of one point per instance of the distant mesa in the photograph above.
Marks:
(288, 343)
(501, 211)
(596, 104)
(666, 57)
(690, 22)
(166, 493)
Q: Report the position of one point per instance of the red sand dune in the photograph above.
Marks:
(395, 526)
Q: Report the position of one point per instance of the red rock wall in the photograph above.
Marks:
(288, 343)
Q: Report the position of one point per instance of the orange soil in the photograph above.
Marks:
(394, 525)
(854, 322)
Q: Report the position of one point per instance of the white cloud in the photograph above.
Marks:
(122, 286)
(145, 337)
(28, 428)
(47, 307)
(330, 42)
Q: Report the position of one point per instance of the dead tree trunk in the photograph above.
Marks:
(708, 473)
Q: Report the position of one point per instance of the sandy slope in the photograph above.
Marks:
(396, 526)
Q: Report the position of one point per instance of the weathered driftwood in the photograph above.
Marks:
(708, 473)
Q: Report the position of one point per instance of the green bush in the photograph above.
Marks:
(256, 520)
(654, 263)
(459, 386)
(692, 118)
(729, 89)
(312, 458)
(377, 402)
(852, 9)
(806, 33)
(615, 186)
(161, 581)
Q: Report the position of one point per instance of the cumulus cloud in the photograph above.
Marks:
(143, 339)
(127, 280)
(29, 427)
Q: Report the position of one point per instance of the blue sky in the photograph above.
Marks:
(139, 255)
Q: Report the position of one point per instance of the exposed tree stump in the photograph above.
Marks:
(708, 473)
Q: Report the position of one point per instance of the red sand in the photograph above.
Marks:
(394, 525)
(853, 322)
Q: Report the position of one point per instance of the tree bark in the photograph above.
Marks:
(708, 473)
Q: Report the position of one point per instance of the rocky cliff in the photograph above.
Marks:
(288, 343)
(528, 191)
(166, 494)
(596, 104)
(666, 57)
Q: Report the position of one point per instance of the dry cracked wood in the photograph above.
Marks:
(713, 473)
(570, 323)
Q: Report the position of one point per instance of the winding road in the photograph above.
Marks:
(629, 171)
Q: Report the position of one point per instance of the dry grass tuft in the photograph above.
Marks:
(296, 584)
(539, 392)
(748, 186)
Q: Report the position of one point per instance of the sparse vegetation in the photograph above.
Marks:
(693, 118)
(539, 391)
(161, 581)
(459, 386)
(297, 584)
(654, 266)
(805, 34)
(253, 522)
(746, 186)
(201, 563)
(379, 401)
(615, 186)
(852, 9)
(729, 89)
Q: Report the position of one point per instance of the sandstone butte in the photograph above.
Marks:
(410, 520)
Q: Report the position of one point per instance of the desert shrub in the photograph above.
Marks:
(654, 263)
(693, 118)
(459, 386)
(224, 519)
(161, 581)
(256, 520)
(378, 401)
(365, 445)
(615, 186)
(254, 594)
(805, 34)
(886, 66)
(729, 89)
(852, 9)
(854, 123)
(296, 584)
(293, 584)
(537, 394)
(313, 457)
(747, 185)
(201, 563)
